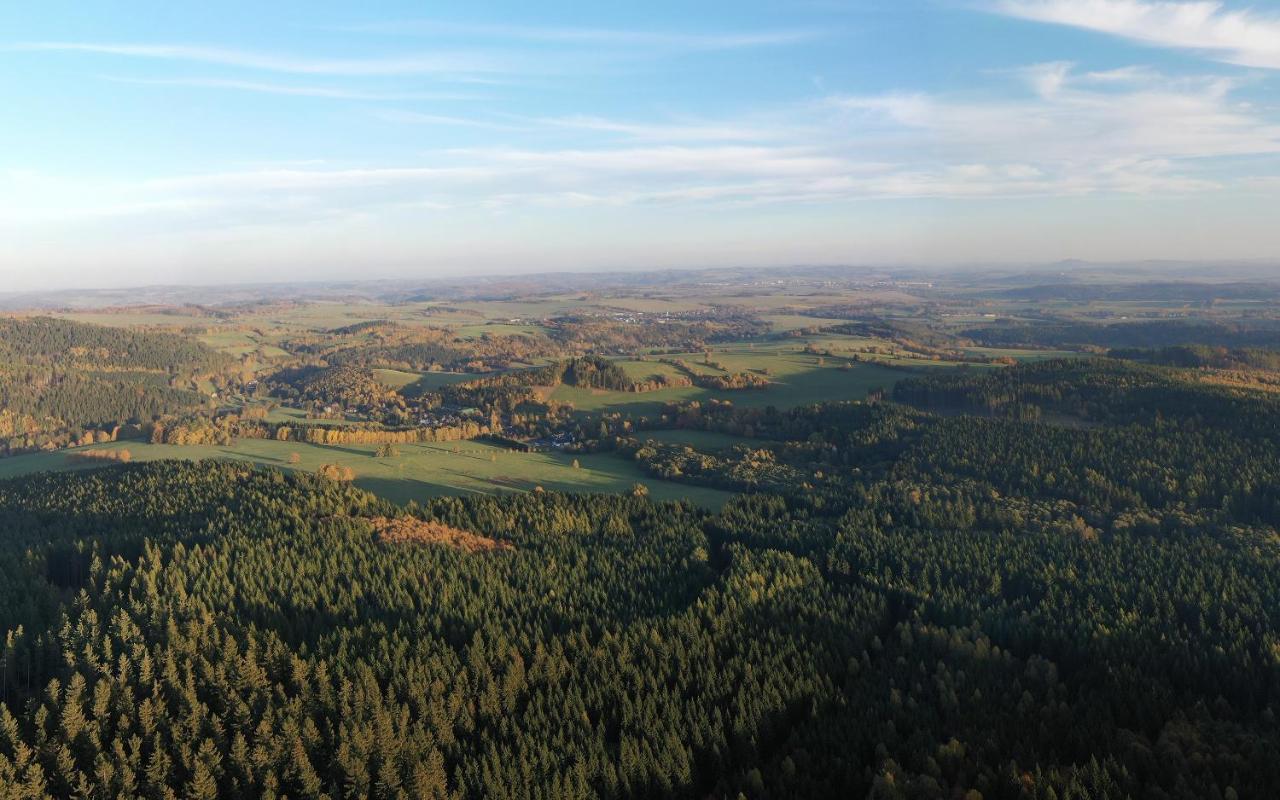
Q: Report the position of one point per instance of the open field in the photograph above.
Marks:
(471, 318)
(642, 370)
(396, 378)
(476, 330)
(652, 304)
(258, 333)
(298, 416)
(796, 380)
(791, 322)
(420, 471)
(410, 384)
(228, 339)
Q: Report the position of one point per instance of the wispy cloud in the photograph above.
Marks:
(439, 63)
(667, 131)
(294, 180)
(649, 162)
(596, 36)
(259, 87)
(1063, 133)
(679, 130)
(506, 54)
(420, 118)
(1244, 37)
(1079, 120)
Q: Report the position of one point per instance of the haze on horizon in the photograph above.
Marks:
(243, 142)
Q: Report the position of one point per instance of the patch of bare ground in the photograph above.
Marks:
(410, 530)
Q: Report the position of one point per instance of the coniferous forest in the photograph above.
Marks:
(1067, 591)
(64, 383)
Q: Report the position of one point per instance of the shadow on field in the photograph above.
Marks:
(339, 448)
(402, 490)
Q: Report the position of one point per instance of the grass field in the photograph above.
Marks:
(420, 471)
(790, 322)
(652, 305)
(297, 416)
(642, 370)
(396, 378)
(411, 384)
(228, 339)
(796, 380)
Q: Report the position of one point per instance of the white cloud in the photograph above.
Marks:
(441, 63)
(420, 118)
(295, 180)
(1068, 134)
(1121, 75)
(682, 131)
(1242, 37)
(287, 89)
(1077, 121)
(1048, 79)
(686, 131)
(596, 36)
(740, 160)
(475, 64)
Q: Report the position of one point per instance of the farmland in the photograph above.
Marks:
(794, 380)
(417, 349)
(418, 472)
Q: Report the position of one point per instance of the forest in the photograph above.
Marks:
(900, 603)
(64, 383)
(908, 552)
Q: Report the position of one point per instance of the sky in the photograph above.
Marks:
(146, 142)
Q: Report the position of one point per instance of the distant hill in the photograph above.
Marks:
(64, 383)
(1185, 291)
(1152, 333)
(48, 340)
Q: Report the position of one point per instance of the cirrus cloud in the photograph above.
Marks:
(1243, 37)
(1066, 133)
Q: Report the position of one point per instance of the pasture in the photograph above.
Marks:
(796, 379)
(420, 471)
(412, 384)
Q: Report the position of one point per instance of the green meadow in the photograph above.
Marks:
(419, 471)
(412, 384)
(795, 380)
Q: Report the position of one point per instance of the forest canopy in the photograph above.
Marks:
(900, 605)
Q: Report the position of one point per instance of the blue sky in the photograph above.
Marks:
(160, 142)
